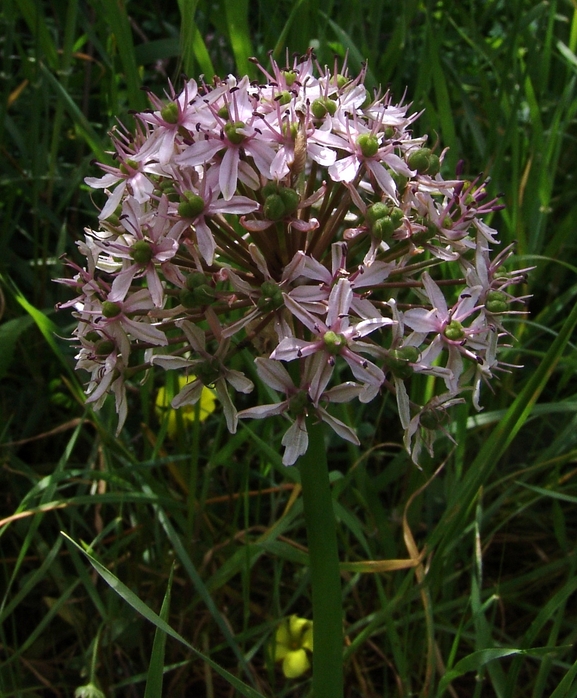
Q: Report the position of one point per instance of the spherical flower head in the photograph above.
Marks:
(296, 220)
(293, 639)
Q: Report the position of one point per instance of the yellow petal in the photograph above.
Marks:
(307, 641)
(282, 641)
(295, 664)
(298, 625)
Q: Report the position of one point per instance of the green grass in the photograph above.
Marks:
(209, 536)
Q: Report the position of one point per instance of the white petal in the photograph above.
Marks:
(238, 381)
(274, 374)
(295, 441)
(339, 427)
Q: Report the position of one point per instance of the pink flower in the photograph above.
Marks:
(336, 337)
(298, 403)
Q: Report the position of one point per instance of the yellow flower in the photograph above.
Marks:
(293, 637)
(188, 412)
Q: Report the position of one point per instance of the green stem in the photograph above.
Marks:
(324, 567)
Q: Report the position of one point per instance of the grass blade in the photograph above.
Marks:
(156, 666)
(140, 607)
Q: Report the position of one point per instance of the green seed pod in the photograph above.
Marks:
(270, 188)
(410, 354)
(376, 211)
(169, 113)
(191, 205)
(187, 298)
(231, 131)
(454, 331)
(290, 198)
(368, 144)
(195, 280)
(223, 112)
(389, 132)
(110, 309)
(424, 235)
(274, 208)
(399, 361)
(271, 297)
(396, 216)
(204, 295)
(400, 180)
(383, 228)
(496, 302)
(419, 160)
(104, 347)
(141, 252)
(434, 165)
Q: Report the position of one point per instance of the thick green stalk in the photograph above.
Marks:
(324, 566)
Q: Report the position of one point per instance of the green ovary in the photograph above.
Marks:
(454, 331)
(334, 342)
(232, 132)
(368, 144)
(141, 252)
